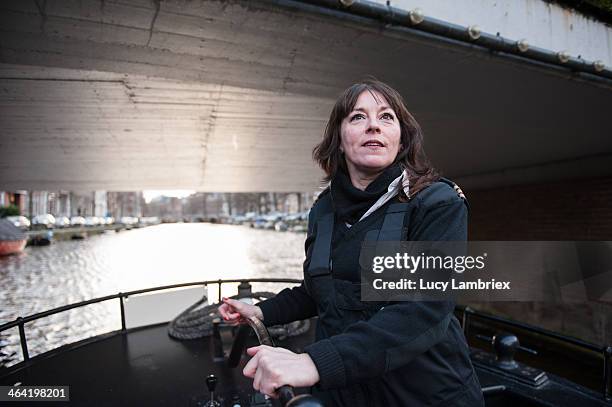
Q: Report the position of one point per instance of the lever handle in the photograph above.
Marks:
(286, 393)
(211, 382)
(520, 347)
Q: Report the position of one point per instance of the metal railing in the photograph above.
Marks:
(21, 321)
(467, 314)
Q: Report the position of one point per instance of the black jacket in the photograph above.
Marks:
(403, 354)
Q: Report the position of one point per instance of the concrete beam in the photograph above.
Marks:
(220, 96)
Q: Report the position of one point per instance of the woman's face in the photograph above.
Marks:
(370, 135)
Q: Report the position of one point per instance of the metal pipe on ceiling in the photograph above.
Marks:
(418, 23)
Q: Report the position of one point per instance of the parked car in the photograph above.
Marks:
(274, 216)
(21, 222)
(77, 221)
(298, 216)
(62, 222)
(128, 220)
(152, 220)
(92, 221)
(238, 219)
(280, 226)
(47, 221)
(258, 223)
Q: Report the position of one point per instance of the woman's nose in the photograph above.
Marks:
(373, 126)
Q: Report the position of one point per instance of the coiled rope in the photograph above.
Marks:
(197, 321)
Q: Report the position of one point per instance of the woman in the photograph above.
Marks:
(382, 187)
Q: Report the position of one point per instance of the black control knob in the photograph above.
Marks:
(505, 346)
(211, 382)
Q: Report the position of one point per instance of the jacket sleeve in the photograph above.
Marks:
(400, 331)
(291, 304)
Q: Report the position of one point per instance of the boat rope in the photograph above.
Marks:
(197, 321)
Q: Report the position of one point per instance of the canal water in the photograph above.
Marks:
(66, 272)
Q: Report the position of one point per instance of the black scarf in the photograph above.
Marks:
(351, 203)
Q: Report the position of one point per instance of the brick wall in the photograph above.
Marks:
(573, 210)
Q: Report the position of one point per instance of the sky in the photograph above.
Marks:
(149, 194)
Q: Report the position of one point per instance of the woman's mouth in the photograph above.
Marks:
(373, 144)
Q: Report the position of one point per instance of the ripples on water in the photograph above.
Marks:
(70, 271)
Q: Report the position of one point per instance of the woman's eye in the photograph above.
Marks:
(387, 116)
(357, 116)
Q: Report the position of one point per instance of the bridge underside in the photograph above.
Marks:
(219, 96)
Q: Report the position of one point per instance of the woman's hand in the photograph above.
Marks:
(235, 312)
(271, 368)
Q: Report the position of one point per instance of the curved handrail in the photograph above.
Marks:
(63, 308)
(21, 321)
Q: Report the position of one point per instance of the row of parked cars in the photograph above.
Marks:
(49, 221)
(275, 220)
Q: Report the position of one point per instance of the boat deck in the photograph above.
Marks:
(141, 367)
(145, 367)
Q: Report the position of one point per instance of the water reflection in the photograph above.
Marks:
(70, 271)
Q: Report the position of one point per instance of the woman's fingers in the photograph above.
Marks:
(257, 379)
(251, 366)
(257, 369)
(236, 312)
(224, 311)
(230, 310)
(234, 304)
(271, 367)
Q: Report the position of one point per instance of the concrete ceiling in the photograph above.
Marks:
(219, 96)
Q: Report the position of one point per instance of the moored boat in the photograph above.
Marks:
(12, 239)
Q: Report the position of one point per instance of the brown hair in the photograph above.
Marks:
(410, 157)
